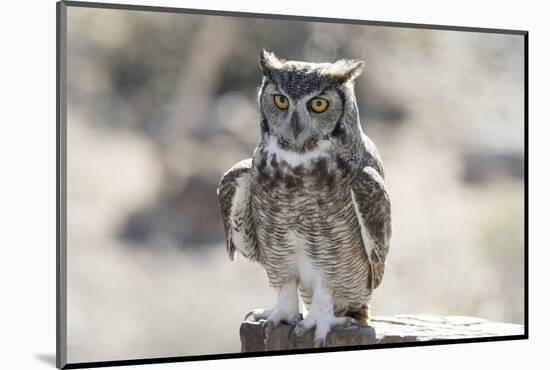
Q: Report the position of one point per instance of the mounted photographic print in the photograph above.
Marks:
(236, 184)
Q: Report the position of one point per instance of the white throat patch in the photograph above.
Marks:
(295, 159)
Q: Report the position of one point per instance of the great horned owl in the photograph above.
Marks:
(310, 205)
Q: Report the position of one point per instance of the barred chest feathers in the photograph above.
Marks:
(305, 219)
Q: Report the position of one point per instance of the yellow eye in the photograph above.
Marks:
(281, 101)
(319, 105)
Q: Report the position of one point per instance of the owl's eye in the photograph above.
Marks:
(281, 101)
(319, 105)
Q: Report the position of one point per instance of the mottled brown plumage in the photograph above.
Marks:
(311, 204)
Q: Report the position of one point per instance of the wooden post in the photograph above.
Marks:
(381, 329)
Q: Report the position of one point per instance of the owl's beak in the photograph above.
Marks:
(296, 124)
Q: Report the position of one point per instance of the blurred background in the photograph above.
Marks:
(161, 105)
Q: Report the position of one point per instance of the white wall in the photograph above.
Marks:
(28, 179)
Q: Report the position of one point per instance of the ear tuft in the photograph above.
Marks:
(268, 62)
(345, 69)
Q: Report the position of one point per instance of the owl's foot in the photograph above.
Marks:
(323, 327)
(271, 321)
(285, 310)
(321, 317)
(269, 325)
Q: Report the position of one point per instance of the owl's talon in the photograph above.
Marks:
(258, 314)
(292, 335)
(345, 322)
(268, 327)
(299, 329)
(349, 321)
(295, 319)
(250, 313)
(320, 343)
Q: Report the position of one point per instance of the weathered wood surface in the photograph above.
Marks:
(381, 329)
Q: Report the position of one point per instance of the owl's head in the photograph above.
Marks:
(303, 103)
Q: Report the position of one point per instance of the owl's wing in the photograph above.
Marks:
(373, 210)
(234, 199)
